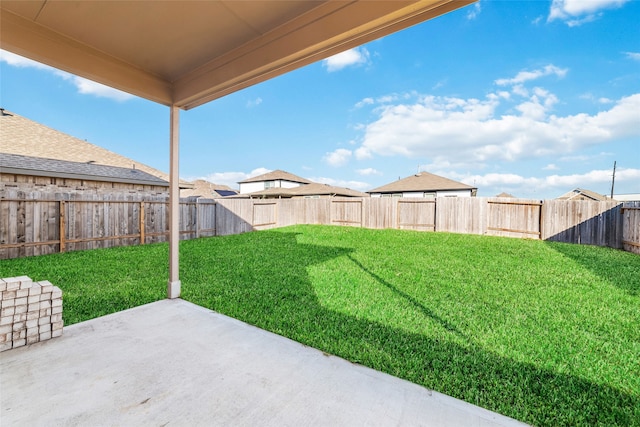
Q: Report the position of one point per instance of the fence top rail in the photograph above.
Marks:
(510, 202)
(103, 201)
(631, 208)
(33, 200)
(416, 201)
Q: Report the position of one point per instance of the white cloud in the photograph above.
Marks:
(338, 157)
(439, 84)
(585, 20)
(525, 76)
(550, 167)
(21, 62)
(583, 158)
(473, 12)
(351, 57)
(364, 102)
(578, 12)
(473, 131)
(254, 102)
(368, 172)
(355, 185)
(88, 87)
(363, 153)
(230, 178)
(633, 55)
(552, 184)
(84, 86)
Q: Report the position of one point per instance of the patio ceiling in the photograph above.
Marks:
(186, 53)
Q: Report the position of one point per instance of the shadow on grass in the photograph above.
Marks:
(263, 281)
(429, 313)
(620, 268)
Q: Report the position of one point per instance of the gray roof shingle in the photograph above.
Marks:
(38, 166)
(22, 136)
(276, 175)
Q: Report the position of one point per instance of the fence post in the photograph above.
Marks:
(61, 221)
(142, 224)
(197, 217)
(541, 220)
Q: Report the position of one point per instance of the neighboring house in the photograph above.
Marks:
(313, 190)
(37, 173)
(208, 190)
(424, 184)
(24, 137)
(582, 194)
(274, 179)
(626, 197)
(506, 195)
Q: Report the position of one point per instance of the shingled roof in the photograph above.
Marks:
(582, 194)
(206, 189)
(317, 189)
(38, 166)
(313, 189)
(422, 181)
(276, 175)
(24, 137)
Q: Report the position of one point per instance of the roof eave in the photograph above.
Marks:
(84, 177)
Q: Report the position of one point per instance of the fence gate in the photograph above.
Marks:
(346, 212)
(265, 214)
(416, 215)
(514, 218)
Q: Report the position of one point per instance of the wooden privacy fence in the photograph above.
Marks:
(44, 225)
(595, 223)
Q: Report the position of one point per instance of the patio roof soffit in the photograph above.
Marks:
(189, 53)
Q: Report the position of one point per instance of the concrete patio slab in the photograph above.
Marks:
(173, 363)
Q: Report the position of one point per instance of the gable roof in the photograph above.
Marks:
(275, 176)
(24, 137)
(38, 166)
(581, 192)
(206, 189)
(317, 189)
(422, 181)
(312, 189)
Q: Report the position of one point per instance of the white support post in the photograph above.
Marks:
(173, 287)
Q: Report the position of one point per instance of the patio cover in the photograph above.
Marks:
(185, 53)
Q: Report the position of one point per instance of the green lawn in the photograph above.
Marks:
(543, 332)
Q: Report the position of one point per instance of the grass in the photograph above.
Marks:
(543, 332)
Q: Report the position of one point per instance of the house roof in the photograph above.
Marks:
(317, 189)
(312, 189)
(422, 181)
(38, 166)
(188, 53)
(506, 195)
(275, 176)
(626, 197)
(581, 192)
(203, 188)
(22, 136)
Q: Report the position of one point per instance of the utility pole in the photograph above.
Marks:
(613, 180)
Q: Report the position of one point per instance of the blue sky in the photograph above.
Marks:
(534, 98)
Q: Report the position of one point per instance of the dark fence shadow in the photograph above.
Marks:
(582, 222)
(625, 276)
